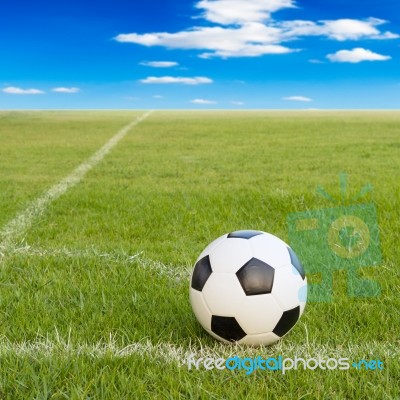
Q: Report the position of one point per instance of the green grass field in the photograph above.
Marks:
(94, 281)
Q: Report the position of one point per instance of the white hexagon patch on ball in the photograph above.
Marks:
(248, 287)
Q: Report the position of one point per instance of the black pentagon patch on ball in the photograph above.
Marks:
(201, 273)
(244, 234)
(256, 277)
(227, 328)
(296, 263)
(287, 321)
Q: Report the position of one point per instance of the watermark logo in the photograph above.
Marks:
(344, 237)
(249, 365)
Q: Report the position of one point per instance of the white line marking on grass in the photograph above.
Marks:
(23, 221)
(177, 273)
(171, 353)
(50, 348)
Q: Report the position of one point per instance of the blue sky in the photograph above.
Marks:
(240, 54)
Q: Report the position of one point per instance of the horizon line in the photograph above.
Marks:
(199, 109)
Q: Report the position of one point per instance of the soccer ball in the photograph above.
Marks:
(248, 287)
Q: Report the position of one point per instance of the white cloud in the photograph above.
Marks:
(237, 103)
(248, 50)
(198, 80)
(252, 39)
(158, 96)
(203, 101)
(245, 28)
(356, 55)
(66, 90)
(15, 90)
(298, 98)
(340, 29)
(228, 12)
(159, 64)
(351, 29)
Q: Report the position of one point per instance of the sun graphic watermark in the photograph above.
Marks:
(345, 237)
